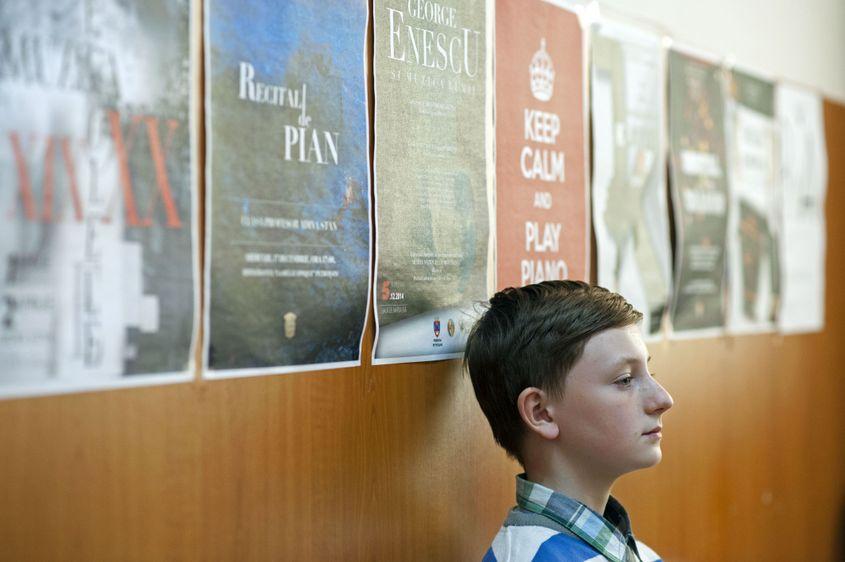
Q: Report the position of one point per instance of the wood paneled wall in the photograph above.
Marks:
(397, 463)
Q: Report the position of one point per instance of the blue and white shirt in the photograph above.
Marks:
(547, 526)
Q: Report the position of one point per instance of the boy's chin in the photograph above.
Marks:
(649, 458)
(644, 459)
(654, 457)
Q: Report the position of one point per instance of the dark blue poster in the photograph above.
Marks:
(288, 233)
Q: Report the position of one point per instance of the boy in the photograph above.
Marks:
(560, 370)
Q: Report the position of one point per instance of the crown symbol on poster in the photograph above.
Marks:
(542, 73)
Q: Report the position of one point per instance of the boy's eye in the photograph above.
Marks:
(624, 381)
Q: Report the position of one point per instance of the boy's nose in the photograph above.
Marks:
(661, 400)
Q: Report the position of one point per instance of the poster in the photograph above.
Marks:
(542, 224)
(753, 219)
(699, 192)
(433, 110)
(288, 228)
(97, 272)
(804, 179)
(630, 209)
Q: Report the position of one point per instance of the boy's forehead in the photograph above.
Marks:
(616, 346)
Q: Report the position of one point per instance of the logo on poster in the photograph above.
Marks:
(290, 324)
(543, 164)
(437, 327)
(450, 327)
(542, 73)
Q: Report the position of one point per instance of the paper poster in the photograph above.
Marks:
(97, 273)
(804, 179)
(288, 228)
(542, 225)
(432, 184)
(753, 211)
(630, 210)
(699, 192)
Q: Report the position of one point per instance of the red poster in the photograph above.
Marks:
(541, 190)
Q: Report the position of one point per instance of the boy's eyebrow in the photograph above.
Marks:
(629, 359)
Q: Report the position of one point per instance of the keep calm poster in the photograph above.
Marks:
(288, 228)
(542, 224)
(800, 116)
(97, 269)
(630, 208)
(432, 184)
(753, 211)
(699, 179)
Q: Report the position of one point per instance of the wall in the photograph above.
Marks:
(397, 463)
(801, 41)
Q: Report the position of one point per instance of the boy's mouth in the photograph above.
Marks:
(653, 431)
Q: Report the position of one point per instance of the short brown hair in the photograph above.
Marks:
(532, 336)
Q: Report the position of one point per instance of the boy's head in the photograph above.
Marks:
(528, 342)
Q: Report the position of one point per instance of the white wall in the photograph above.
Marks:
(803, 41)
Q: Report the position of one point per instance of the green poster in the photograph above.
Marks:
(432, 112)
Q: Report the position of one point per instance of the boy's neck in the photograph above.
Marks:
(590, 490)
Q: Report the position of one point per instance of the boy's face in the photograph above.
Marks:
(611, 406)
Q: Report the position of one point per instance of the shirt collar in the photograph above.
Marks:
(610, 535)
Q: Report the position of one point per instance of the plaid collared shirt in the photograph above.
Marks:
(547, 525)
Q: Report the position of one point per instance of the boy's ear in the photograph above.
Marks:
(533, 406)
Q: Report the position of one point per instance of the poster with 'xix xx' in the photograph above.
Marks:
(97, 269)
